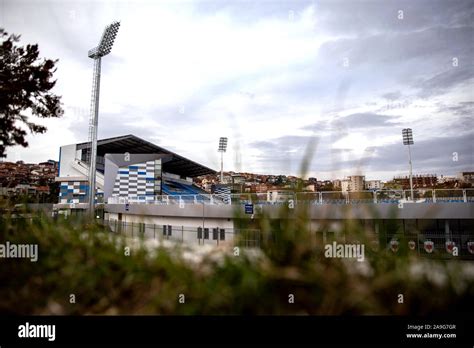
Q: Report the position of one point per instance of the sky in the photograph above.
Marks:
(312, 88)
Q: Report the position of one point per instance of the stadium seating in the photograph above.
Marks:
(186, 191)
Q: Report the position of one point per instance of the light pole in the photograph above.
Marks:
(222, 149)
(408, 140)
(104, 48)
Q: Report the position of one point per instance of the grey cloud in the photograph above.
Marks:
(248, 11)
(363, 120)
(341, 126)
(431, 155)
(459, 109)
(436, 44)
(363, 17)
(388, 58)
(110, 124)
(434, 155)
(350, 17)
(282, 144)
(444, 81)
(276, 154)
(392, 95)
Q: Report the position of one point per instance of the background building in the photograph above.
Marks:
(420, 180)
(467, 177)
(36, 181)
(373, 185)
(353, 183)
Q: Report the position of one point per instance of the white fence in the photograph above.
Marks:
(328, 197)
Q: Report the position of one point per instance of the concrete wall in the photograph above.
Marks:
(175, 221)
(317, 212)
(328, 220)
(68, 154)
(183, 228)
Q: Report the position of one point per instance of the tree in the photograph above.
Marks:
(327, 187)
(25, 85)
(392, 185)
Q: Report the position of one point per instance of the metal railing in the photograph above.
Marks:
(316, 198)
(413, 241)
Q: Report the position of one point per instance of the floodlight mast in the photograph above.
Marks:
(222, 148)
(408, 140)
(104, 48)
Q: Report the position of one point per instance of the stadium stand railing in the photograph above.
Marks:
(191, 195)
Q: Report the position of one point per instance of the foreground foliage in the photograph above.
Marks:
(87, 260)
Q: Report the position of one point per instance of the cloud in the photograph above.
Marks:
(368, 120)
(444, 81)
(392, 95)
(428, 156)
(365, 17)
(270, 75)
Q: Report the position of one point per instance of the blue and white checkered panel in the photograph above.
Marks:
(75, 186)
(73, 192)
(134, 180)
(150, 179)
(150, 167)
(223, 193)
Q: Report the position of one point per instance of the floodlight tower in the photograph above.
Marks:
(222, 149)
(104, 48)
(408, 140)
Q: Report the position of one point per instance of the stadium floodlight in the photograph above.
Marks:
(103, 49)
(222, 148)
(408, 140)
(106, 42)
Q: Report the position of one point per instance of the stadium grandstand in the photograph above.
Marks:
(144, 189)
(127, 166)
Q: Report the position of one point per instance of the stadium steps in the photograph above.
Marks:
(83, 168)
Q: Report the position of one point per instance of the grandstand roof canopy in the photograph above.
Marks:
(133, 144)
